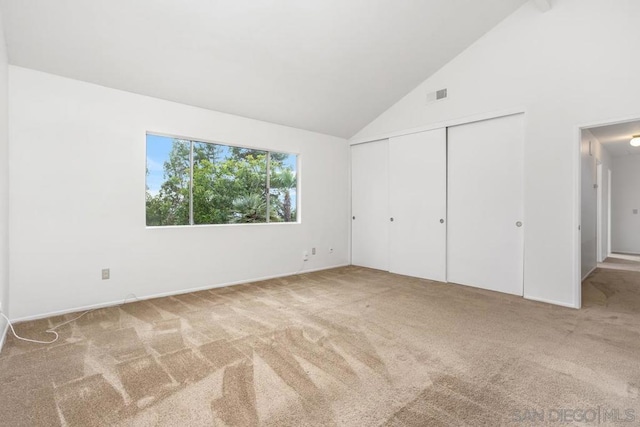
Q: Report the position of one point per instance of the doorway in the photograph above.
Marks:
(609, 198)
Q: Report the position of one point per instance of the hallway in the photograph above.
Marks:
(621, 262)
(614, 284)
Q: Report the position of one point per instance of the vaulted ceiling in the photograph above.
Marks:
(329, 66)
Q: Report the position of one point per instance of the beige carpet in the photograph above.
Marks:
(349, 346)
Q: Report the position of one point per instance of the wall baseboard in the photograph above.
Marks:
(167, 294)
(548, 301)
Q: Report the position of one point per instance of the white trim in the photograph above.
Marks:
(350, 190)
(577, 217)
(3, 338)
(609, 192)
(214, 142)
(167, 294)
(599, 210)
(239, 224)
(608, 122)
(523, 189)
(548, 301)
(443, 124)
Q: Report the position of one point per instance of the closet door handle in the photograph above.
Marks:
(391, 219)
(441, 221)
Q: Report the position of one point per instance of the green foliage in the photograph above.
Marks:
(171, 205)
(283, 181)
(252, 208)
(229, 186)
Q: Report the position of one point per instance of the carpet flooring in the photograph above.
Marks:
(349, 346)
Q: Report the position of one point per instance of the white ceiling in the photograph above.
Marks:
(329, 66)
(615, 138)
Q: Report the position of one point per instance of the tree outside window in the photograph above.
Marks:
(192, 182)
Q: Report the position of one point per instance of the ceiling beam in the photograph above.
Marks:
(543, 5)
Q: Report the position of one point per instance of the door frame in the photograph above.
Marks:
(599, 211)
(609, 195)
(577, 198)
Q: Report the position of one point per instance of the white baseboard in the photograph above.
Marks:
(548, 301)
(167, 294)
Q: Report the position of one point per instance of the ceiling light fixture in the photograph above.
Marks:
(635, 141)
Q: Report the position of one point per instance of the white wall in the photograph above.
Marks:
(589, 215)
(568, 67)
(4, 184)
(78, 201)
(625, 225)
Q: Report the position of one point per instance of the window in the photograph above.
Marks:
(192, 182)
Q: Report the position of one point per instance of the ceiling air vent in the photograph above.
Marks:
(436, 96)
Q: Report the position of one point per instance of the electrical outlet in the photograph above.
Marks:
(305, 256)
(105, 273)
(313, 251)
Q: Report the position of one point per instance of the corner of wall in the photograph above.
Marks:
(4, 182)
(3, 334)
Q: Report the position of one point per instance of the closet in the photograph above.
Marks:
(417, 204)
(443, 204)
(485, 242)
(370, 205)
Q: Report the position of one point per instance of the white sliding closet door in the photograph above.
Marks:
(485, 245)
(370, 205)
(418, 204)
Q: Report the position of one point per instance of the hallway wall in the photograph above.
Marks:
(625, 200)
(589, 214)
